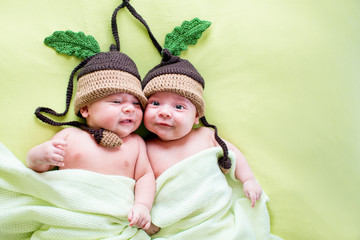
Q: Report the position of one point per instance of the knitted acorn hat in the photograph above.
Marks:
(176, 75)
(106, 74)
(102, 74)
(179, 76)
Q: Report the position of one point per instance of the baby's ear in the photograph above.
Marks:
(84, 111)
(196, 118)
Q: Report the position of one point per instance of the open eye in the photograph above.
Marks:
(155, 103)
(178, 106)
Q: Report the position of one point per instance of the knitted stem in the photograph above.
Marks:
(114, 27)
(224, 162)
(138, 17)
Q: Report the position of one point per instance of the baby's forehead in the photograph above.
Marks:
(121, 95)
(169, 95)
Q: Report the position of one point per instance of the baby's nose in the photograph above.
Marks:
(165, 112)
(128, 107)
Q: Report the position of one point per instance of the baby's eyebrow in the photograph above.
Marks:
(181, 101)
(115, 98)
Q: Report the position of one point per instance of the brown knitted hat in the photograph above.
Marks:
(176, 75)
(105, 74)
(101, 74)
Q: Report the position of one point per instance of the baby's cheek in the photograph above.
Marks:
(147, 117)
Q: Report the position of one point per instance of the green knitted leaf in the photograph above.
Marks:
(187, 34)
(73, 44)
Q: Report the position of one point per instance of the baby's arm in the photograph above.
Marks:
(243, 173)
(47, 155)
(144, 190)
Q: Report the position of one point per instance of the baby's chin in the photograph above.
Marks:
(168, 138)
(123, 134)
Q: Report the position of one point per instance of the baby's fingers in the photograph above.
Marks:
(59, 154)
(253, 199)
(59, 143)
(56, 158)
(258, 196)
(247, 194)
(130, 218)
(147, 225)
(58, 163)
(133, 219)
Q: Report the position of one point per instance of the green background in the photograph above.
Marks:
(282, 84)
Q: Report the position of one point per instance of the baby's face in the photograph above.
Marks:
(120, 113)
(169, 115)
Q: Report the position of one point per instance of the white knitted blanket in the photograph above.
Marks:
(195, 200)
(66, 204)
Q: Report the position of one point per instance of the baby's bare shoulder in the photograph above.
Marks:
(134, 143)
(205, 135)
(67, 132)
(70, 130)
(203, 132)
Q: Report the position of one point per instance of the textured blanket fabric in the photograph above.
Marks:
(195, 200)
(66, 204)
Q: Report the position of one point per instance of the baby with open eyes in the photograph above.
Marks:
(174, 90)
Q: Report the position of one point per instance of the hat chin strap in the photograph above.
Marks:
(103, 137)
(224, 162)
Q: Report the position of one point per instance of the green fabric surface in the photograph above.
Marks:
(281, 83)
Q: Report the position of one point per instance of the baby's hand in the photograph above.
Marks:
(139, 216)
(252, 190)
(48, 153)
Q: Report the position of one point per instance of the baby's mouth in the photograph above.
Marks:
(126, 121)
(164, 124)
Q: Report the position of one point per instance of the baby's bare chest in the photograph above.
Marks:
(164, 158)
(107, 161)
